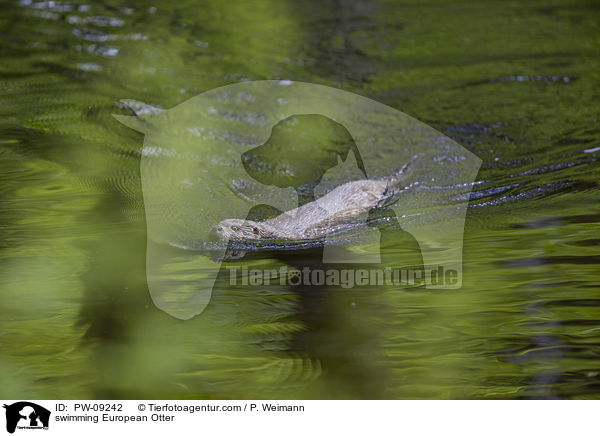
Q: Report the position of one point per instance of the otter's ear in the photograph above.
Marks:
(143, 114)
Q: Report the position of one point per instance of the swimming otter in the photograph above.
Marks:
(328, 214)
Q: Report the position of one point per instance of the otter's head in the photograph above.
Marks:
(241, 230)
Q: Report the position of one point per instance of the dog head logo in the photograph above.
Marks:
(204, 163)
(26, 415)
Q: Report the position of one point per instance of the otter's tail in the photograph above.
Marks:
(397, 184)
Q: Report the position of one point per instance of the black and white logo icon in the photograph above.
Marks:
(26, 415)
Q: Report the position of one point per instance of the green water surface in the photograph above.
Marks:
(517, 83)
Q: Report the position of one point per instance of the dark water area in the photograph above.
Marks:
(515, 83)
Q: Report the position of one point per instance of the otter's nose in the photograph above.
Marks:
(215, 234)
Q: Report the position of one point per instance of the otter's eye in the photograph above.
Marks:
(255, 230)
(235, 228)
(219, 229)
